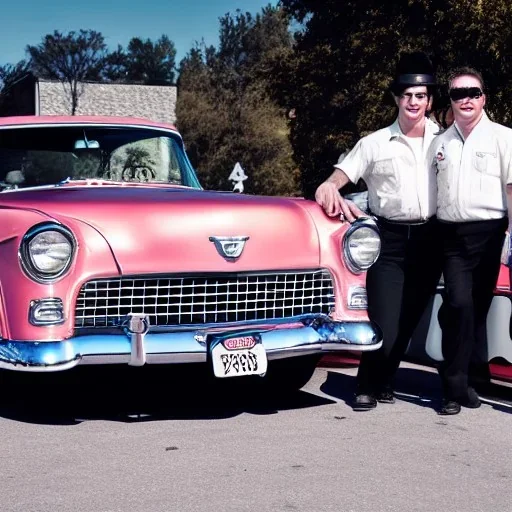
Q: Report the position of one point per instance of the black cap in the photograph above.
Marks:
(413, 69)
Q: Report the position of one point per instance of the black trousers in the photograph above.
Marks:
(399, 286)
(471, 254)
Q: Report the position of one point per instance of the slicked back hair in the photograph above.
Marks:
(465, 71)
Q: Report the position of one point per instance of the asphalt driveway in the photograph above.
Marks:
(120, 440)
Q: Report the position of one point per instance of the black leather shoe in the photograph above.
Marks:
(449, 407)
(483, 388)
(364, 402)
(386, 396)
(471, 401)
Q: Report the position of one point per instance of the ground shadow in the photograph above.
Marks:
(418, 386)
(425, 388)
(498, 396)
(127, 394)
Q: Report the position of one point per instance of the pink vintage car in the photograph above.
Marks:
(112, 253)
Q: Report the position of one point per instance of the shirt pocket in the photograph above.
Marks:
(384, 167)
(487, 163)
(386, 186)
(488, 184)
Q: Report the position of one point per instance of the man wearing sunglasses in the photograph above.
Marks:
(402, 195)
(472, 159)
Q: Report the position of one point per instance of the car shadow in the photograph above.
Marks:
(127, 394)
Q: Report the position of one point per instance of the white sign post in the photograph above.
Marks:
(238, 176)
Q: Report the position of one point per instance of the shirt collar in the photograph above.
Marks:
(395, 132)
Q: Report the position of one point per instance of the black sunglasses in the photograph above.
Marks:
(459, 93)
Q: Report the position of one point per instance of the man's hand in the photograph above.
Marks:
(334, 205)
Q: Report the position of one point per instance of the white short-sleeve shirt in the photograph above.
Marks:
(472, 173)
(401, 184)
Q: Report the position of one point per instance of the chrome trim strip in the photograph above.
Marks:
(321, 335)
(262, 325)
(89, 124)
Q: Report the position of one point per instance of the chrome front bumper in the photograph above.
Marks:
(139, 345)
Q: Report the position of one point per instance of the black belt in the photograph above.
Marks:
(472, 222)
(412, 222)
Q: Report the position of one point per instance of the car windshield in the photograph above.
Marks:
(36, 156)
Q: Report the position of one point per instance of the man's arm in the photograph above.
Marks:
(329, 198)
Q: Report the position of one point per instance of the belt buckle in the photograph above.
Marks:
(406, 222)
(419, 223)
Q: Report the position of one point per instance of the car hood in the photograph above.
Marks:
(167, 230)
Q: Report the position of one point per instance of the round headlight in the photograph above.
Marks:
(46, 251)
(361, 245)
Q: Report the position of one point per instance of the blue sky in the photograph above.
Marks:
(184, 21)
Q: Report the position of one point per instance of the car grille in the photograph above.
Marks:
(199, 299)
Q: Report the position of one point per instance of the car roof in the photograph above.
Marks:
(66, 120)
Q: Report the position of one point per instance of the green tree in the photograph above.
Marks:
(114, 66)
(144, 61)
(345, 56)
(226, 111)
(71, 58)
(10, 74)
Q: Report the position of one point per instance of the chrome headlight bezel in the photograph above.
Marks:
(27, 261)
(354, 266)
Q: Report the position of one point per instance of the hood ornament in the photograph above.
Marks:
(229, 247)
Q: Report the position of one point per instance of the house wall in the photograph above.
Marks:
(154, 102)
(19, 100)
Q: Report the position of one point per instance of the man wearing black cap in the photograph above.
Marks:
(402, 195)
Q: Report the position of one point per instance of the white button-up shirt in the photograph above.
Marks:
(401, 185)
(472, 173)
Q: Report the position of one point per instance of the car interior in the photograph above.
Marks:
(50, 155)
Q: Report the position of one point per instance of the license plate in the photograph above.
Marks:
(236, 356)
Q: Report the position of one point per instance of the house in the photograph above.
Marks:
(36, 96)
